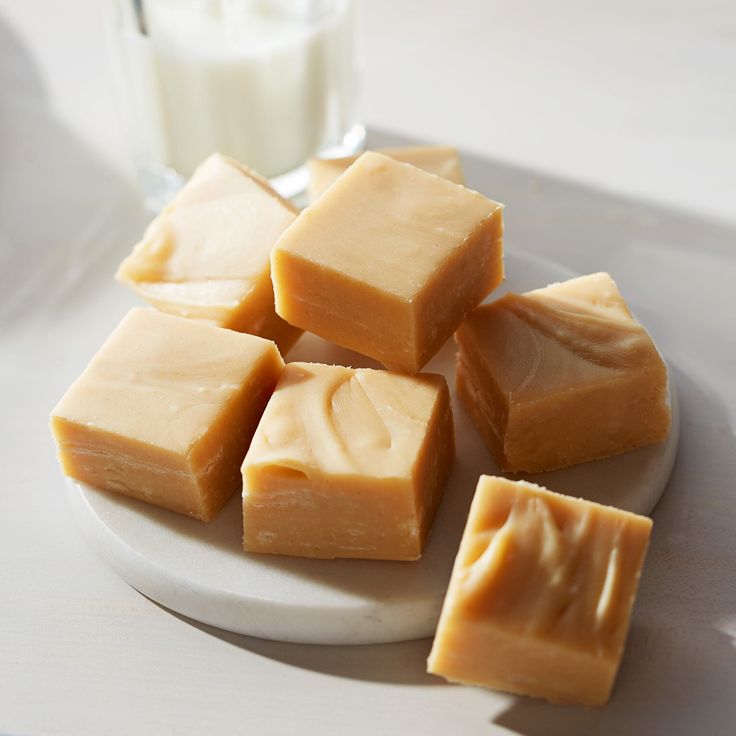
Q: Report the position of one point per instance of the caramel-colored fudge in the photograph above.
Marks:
(347, 463)
(561, 375)
(541, 594)
(206, 256)
(441, 160)
(165, 411)
(388, 261)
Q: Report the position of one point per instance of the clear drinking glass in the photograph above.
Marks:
(268, 82)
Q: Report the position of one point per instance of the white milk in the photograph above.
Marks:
(268, 82)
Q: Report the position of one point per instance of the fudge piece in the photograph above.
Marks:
(561, 375)
(388, 261)
(347, 463)
(165, 411)
(206, 256)
(441, 160)
(541, 594)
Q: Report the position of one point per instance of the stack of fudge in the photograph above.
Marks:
(190, 402)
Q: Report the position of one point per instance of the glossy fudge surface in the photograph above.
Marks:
(541, 594)
(389, 261)
(347, 463)
(561, 375)
(441, 160)
(165, 411)
(206, 255)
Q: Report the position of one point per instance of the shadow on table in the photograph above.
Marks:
(396, 664)
(643, 245)
(66, 215)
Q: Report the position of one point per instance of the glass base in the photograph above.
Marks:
(160, 184)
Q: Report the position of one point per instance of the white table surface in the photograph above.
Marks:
(609, 129)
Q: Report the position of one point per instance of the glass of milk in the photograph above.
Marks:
(268, 82)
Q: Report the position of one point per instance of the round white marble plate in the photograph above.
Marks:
(201, 571)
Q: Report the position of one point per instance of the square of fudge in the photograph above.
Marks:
(561, 375)
(206, 255)
(541, 594)
(388, 261)
(164, 412)
(347, 463)
(441, 160)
